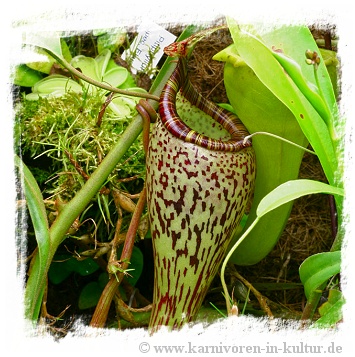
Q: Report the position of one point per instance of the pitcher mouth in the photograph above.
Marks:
(176, 126)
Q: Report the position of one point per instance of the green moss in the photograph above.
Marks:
(66, 131)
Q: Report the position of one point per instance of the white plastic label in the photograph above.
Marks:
(148, 46)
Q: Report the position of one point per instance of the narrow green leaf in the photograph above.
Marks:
(333, 297)
(34, 200)
(267, 98)
(291, 190)
(308, 89)
(270, 72)
(332, 316)
(317, 269)
(35, 285)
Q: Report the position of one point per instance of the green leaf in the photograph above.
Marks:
(331, 311)
(25, 76)
(291, 190)
(332, 63)
(59, 270)
(55, 83)
(111, 40)
(65, 264)
(83, 267)
(36, 282)
(120, 107)
(261, 110)
(102, 61)
(333, 316)
(44, 65)
(47, 40)
(115, 76)
(87, 65)
(333, 297)
(272, 89)
(261, 59)
(317, 269)
(90, 295)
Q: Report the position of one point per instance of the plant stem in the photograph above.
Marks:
(70, 212)
(224, 264)
(102, 85)
(102, 308)
(280, 138)
(311, 305)
(83, 197)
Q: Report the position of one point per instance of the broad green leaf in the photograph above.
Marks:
(120, 107)
(308, 89)
(317, 269)
(83, 267)
(115, 76)
(65, 264)
(44, 65)
(102, 61)
(260, 110)
(263, 62)
(25, 76)
(112, 64)
(291, 190)
(48, 40)
(56, 82)
(272, 89)
(90, 295)
(87, 65)
(59, 270)
(129, 82)
(302, 73)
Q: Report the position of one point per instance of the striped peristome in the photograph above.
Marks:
(174, 124)
(197, 191)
